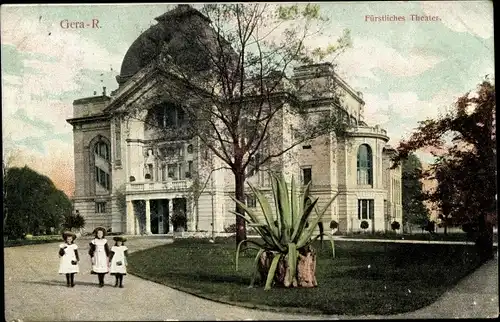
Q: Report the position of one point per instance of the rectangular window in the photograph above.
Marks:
(189, 173)
(251, 201)
(100, 207)
(306, 175)
(365, 209)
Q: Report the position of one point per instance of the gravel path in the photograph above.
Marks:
(35, 292)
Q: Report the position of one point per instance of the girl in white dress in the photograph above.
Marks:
(119, 260)
(99, 254)
(68, 254)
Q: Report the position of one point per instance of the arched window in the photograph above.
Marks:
(365, 165)
(101, 149)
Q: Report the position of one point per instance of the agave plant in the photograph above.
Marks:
(286, 232)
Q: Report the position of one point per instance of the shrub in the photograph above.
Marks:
(395, 225)
(334, 224)
(364, 225)
(28, 236)
(178, 218)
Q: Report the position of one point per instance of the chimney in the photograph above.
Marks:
(104, 91)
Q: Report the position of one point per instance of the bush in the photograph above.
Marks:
(178, 219)
(28, 236)
(334, 224)
(364, 225)
(395, 225)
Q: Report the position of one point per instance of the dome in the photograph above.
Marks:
(170, 31)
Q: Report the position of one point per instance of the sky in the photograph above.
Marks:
(407, 70)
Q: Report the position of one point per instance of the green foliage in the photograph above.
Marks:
(364, 225)
(33, 203)
(414, 210)
(121, 200)
(74, 221)
(284, 232)
(466, 171)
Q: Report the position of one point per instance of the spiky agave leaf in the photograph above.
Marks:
(272, 271)
(267, 212)
(256, 266)
(237, 255)
(308, 232)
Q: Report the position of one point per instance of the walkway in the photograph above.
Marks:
(34, 291)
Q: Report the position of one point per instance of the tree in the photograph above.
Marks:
(466, 172)
(74, 221)
(414, 210)
(234, 81)
(33, 202)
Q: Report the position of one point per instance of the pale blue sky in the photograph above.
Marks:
(407, 71)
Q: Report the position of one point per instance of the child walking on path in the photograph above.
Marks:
(99, 254)
(119, 260)
(68, 253)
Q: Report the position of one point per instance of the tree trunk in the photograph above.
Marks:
(196, 214)
(484, 241)
(305, 275)
(241, 233)
(445, 229)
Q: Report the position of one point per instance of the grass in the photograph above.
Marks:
(416, 236)
(34, 240)
(363, 279)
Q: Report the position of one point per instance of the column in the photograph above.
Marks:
(130, 218)
(148, 218)
(170, 212)
(137, 227)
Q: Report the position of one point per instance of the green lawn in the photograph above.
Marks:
(416, 236)
(365, 278)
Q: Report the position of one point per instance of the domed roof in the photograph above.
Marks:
(167, 32)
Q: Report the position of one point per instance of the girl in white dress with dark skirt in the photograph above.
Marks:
(119, 260)
(68, 254)
(99, 254)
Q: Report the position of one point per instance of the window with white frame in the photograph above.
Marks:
(365, 165)
(366, 209)
(251, 201)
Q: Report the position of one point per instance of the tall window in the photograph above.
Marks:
(117, 141)
(306, 175)
(102, 178)
(365, 208)
(365, 165)
(101, 149)
(100, 207)
(189, 173)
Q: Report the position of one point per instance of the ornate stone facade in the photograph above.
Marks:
(133, 182)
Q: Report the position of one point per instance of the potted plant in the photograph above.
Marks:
(285, 254)
(395, 225)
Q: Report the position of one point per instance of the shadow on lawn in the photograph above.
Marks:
(212, 278)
